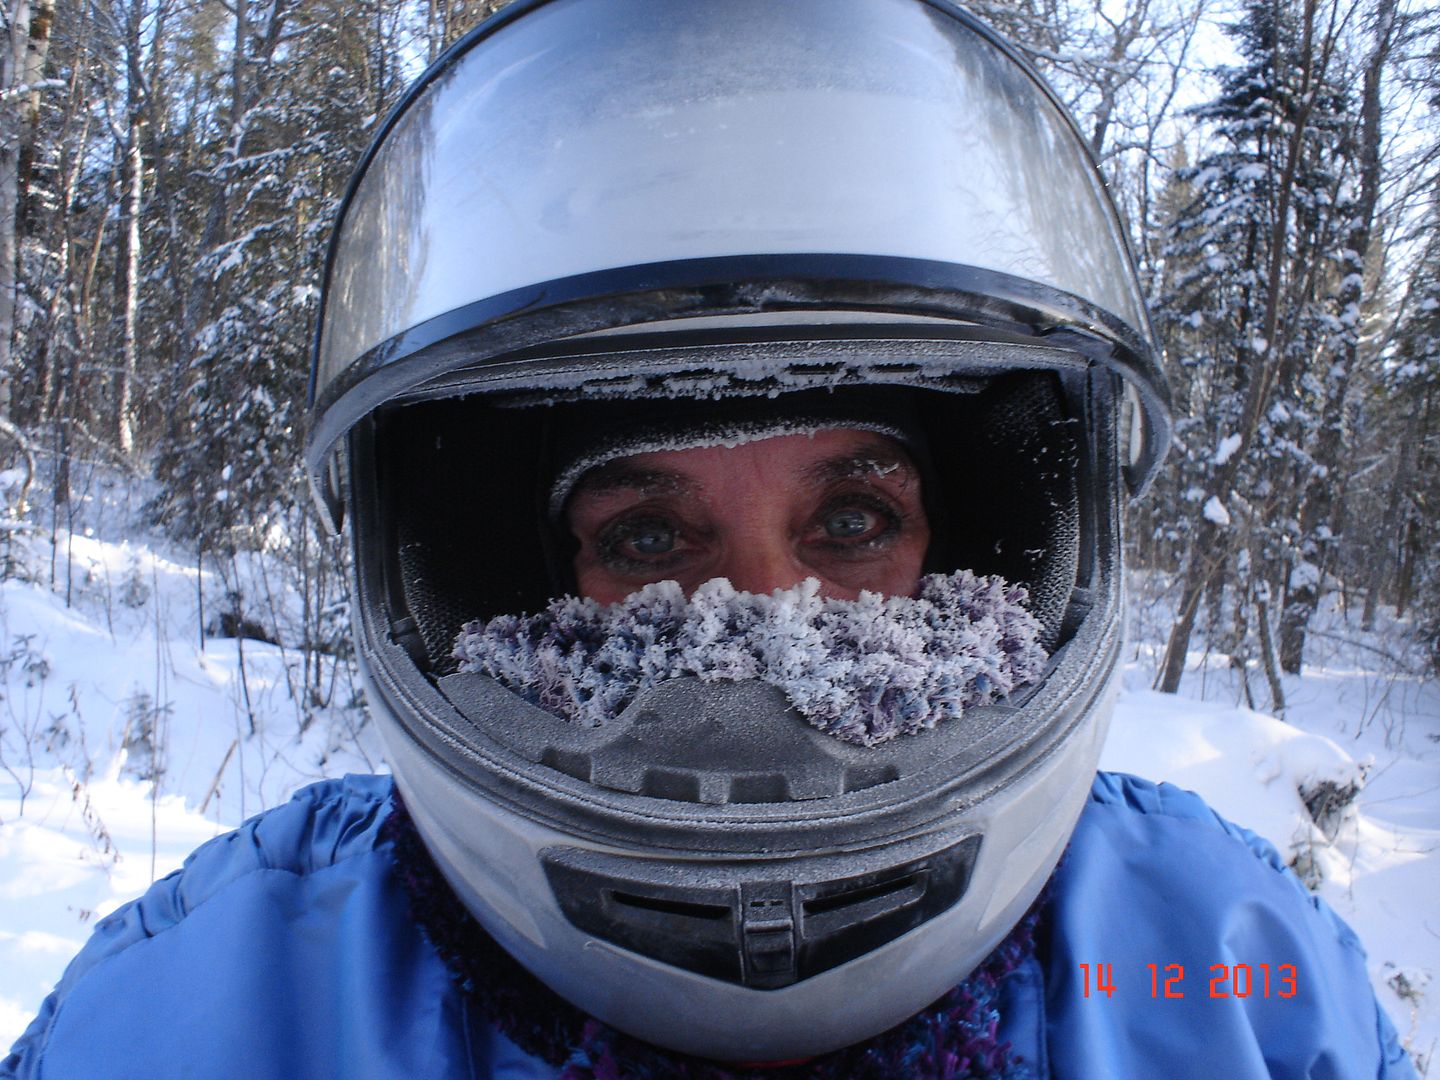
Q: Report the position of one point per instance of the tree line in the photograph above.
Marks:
(169, 170)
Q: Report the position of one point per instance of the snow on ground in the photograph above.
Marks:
(1364, 713)
(103, 692)
(75, 853)
(118, 685)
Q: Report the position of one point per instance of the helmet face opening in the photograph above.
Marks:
(464, 485)
(595, 210)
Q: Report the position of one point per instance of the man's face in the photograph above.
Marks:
(842, 506)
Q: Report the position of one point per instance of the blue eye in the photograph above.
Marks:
(644, 542)
(848, 523)
(653, 539)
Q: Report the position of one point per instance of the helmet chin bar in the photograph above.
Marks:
(768, 955)
(761, 926)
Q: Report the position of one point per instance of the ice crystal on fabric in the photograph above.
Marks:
(864, 670)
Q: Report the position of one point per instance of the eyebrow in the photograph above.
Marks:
(619, 476)
(860, 464)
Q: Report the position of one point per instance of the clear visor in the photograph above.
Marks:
(588, 136)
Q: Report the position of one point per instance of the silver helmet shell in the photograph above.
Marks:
(604, 199)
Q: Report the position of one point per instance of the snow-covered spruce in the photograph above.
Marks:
(864, 670)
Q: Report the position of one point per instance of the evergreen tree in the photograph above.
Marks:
(1400, 551)
(1244, 311)
(302, 100)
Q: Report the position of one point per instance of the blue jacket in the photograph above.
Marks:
(284, 950)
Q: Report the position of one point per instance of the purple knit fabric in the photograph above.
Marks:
(955, 1038)
(864, 670)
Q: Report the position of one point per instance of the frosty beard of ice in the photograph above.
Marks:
(864, 670)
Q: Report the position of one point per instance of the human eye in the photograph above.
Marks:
(653, 538)
(642, 541)
(849, 523)
(855, 522)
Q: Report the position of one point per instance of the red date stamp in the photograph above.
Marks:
(1225, 980)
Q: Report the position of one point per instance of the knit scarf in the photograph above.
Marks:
(955, 1038)
(866, 670)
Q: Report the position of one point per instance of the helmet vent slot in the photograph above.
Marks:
(680, 908)
(759, 788)
(671, 784)
(860, 777)
(762, 923)
(912, 886)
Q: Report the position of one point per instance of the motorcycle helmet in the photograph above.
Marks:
(591, 206)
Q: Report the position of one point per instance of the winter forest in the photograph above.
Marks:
(169, 170)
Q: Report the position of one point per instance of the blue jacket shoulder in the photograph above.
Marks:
(1196, 925)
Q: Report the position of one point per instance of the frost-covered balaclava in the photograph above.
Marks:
(603, 433)
(864, 670)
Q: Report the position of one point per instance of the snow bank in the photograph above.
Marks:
(80, 849)
(1362, 732)
(1251, 768)
(127, 735)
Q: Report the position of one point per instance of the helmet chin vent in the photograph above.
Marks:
(763, 925)
(715, 743)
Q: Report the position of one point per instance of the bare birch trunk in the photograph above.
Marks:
(22, 64)
(130, 348)
(1267, 650)
(137, 112)
(12, 57)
